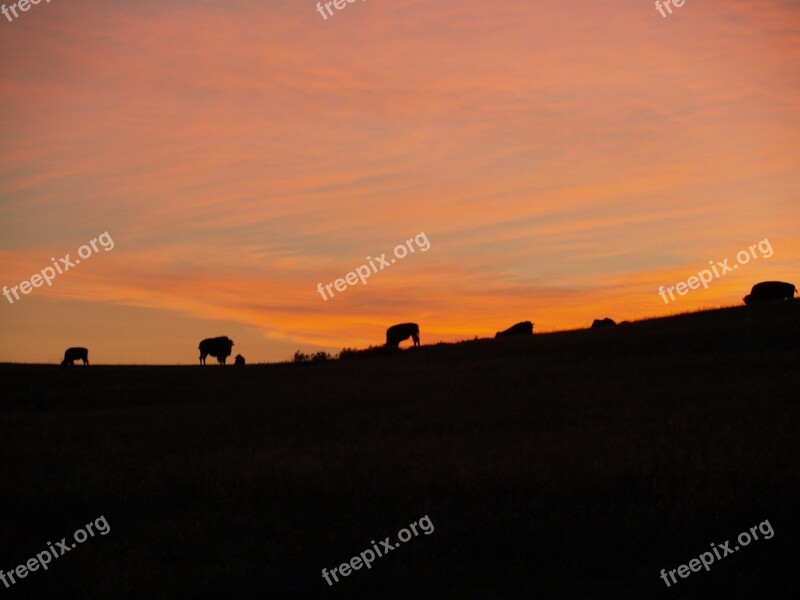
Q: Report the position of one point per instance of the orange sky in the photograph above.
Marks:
(564, 159)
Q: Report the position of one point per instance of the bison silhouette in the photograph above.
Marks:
(397, 333)
(239, 360)
(767, 291)
(603, 322)
(73, 354)
(218, 347)
(523, 328)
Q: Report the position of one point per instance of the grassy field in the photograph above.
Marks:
(565, 465)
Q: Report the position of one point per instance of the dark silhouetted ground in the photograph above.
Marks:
(567, 465)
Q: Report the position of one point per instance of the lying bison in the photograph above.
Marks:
(603, 322)
(524, 328)
(770, 290)
(73, 354)
(219, 348)
(239, 360)
(397, 333)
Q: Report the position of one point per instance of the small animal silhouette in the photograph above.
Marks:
(603, 322)
(239, 360)
(397, 333)
(218, 347)
(767, 291)
(73, 354)
(523, 328)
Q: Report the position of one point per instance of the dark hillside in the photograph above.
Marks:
(566, 465)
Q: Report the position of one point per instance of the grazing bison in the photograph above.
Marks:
(219, 347)
(770, 290)
(239, 360)
(524, 328)
(73, 354)
(603, 322)
(397, 333)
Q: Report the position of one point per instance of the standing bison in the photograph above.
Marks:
(524, 328)
(73, 354)
(219, 348)
(397, 333)
(770, 290)
(603, 323)
(239, 360)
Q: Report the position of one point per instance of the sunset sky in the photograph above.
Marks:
(564, 158)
